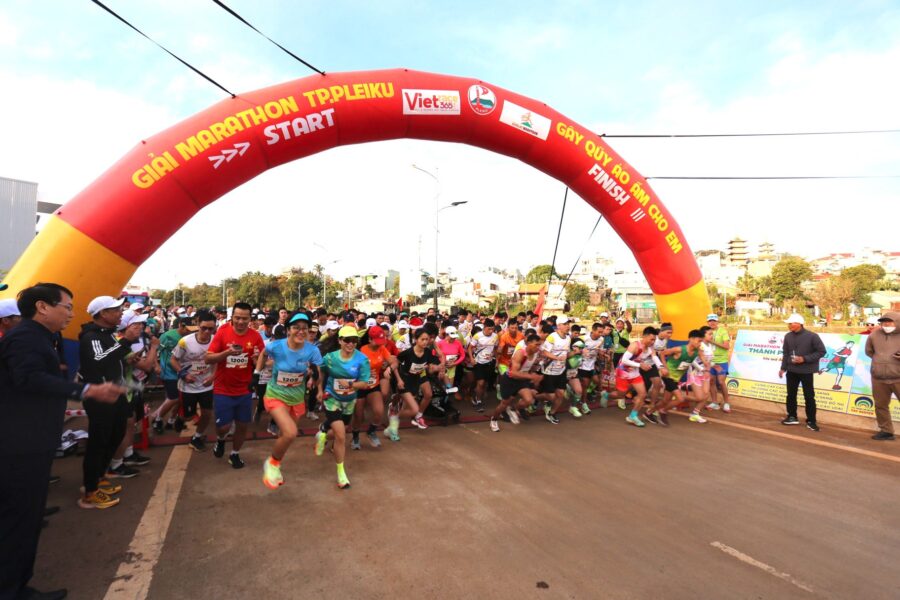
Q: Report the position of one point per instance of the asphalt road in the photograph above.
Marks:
(589, 509)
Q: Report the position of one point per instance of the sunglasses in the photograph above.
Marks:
(350, 340)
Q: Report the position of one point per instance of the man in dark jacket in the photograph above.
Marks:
(33, 396)
(883, 347)
(800, 360)
(102, 358)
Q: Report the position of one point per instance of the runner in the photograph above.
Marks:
(506, 347)
(237, 347)
(167, 343)
(374, 347)
(414, 365)
(344, 373)
(294, 363)
(638, 357)
(573, 383)
(519, 380)
(482, 349)
(555, 350)
(721, 341)
(454, 354)
(587, 371)
(652, 378)
(195, 381)
(678, 362)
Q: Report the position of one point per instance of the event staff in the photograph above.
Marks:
(800, 360)
(33, 398)
(883, 347)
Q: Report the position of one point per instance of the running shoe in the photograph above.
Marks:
(122, 472)
(374, 440)
(651, 417)
(107, 487)
(726, 408)
(635, 420)
(272, 428)
(495, 425)
(451, 389)
(55, 478)
(272, 477)
(622, 405)
(97, 500)
(573, 410)
(479, 405)
(313, 416)
(343, 481)
(158, 426)
(663, 419)
(789, 420)
(695, 418)
(394, 422)
(546, 410)
(392, 434)
(513, 415)
(321, 438)
(419, 422)
(531, 409)
(585, 409)
(552, 418)
(178, 425)
(219, 449)
(713, 406)
(524, 414)
(234, 459)
(811, 425)
(604, 399)
(354, 444)
(197, 443)
(136, 460)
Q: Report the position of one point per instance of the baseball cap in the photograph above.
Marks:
(9, 308)
(578, 344)
(180, 310)
(137, 306)
(131, 318)
(402, 325)
(260, 317)
(712, 317)
(299, 317)
(348, 331)
(102, 303)
(452, 332)
(562, 320)
(329, 325)
(370, 322)
(416, 322)
(377, 336)
(604, 314)
(795, 318)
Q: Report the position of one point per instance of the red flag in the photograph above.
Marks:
(399, 304)
(539, 308)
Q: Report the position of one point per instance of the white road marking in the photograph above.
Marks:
(133, 577)
(760, 565)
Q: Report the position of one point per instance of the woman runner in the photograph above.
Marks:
(375, 349)
(294, 360)
(414, 364)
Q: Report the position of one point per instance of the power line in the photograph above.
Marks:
(558, 235)
(569, 276)
(182, 61)
(726, 135)
(247, 23)
(771, 177)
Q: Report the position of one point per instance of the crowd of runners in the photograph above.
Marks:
(355, 373)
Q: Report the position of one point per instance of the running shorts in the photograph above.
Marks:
(623, 384)
(585, 373)
(232, 408)
(670, 384)
(296, 410)
(333, 416)
(551, 383)
(171, 387)
(191, 400)
(509, 387)
(719, 369)
(484, 371)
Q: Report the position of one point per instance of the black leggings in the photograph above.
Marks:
(106, 429)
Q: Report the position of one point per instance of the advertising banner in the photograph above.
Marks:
(843, 382)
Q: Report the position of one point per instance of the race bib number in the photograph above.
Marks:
(372, 380)
(343, 386)
(683, 366)
(139, 375)
(416, 368)
(237, 362)
(511, 350)
(571, 373)
(199, 369)
(451, 358)
(289, 379)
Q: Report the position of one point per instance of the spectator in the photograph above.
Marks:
(883, 346)
(802, 350)
(33, 396)
(9, 315)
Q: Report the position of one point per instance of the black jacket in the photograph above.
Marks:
(33, 391)
(804, 343)
(101, 355)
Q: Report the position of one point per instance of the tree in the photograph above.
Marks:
(540, 274)
(578, 292)
(866, 279)
(788, 275)
(832, 295)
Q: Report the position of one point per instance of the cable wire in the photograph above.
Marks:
(569, 276)
(769, 134)
(182, 61)
(558, 234)
(247, 23)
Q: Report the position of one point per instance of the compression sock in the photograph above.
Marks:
(340, 470)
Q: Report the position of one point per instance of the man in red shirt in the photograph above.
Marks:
(236, 347)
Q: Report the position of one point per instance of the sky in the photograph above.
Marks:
(80, 89)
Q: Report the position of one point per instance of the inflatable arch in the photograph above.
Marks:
(96, 241)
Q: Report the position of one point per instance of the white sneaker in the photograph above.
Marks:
(726, 408)
(622, 405)
(513, 415)
(695, 418)
(313, 416)
(575, 412)
(495, 426)
(713, 406)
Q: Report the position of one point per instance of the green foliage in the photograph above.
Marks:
(540, 274)
(788, 275)
(865, 279)
(578, 293)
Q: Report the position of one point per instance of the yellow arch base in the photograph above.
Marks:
(62, 254)
(686, 310)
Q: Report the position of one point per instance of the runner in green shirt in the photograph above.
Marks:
(719, 372)
(678, 362)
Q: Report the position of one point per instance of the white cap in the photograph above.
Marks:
(872, 321)
(402, 325)
(137, 306)
(130, 318)
(9, 308)
(562, 320)
(260, 317)
(712, 317)
(102, 303)
(604, 314)
(329, 325)
(620, 319)
(795, 318)
(370, 322)
(180, 310)
(452, 332)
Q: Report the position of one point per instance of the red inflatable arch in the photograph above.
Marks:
(91, 244)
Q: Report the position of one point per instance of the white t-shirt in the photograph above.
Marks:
(190, 354)
(589, 354)
(560, 346)
(483, 347)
